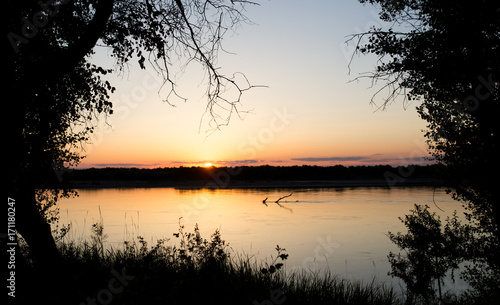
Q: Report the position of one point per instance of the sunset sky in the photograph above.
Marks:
(308, 113)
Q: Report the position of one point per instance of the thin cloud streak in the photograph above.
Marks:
(314, 159)
(126, 165)
(373, 159)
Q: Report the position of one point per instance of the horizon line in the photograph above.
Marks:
(143, 166)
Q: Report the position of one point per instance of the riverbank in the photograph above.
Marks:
(214, 184)
(195, 271)
(256, 177)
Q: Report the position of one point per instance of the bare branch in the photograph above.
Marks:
(277, 201)
(392, 80)
(218, 84)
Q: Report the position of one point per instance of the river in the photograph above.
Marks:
(341, 230)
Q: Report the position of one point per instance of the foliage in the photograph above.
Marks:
(193, 249)
(430, 252)
(270, 269)
(254, 173)
(58, 112)
(444, 55)
(56, 95)
(188, 271)
(47, 202)
(72, 91)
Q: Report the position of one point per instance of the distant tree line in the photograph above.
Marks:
(254, 173)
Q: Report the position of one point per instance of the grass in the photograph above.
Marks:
(193, 270)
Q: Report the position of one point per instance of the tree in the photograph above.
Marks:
(445, 56)
(55, 95)
(431, 252)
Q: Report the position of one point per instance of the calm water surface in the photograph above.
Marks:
(342, 230)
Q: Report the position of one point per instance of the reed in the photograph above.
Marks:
(189, 269)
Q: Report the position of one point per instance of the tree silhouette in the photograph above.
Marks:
(430, 252)
(445, 56)
(54, 94)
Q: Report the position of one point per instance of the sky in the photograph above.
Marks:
(306, 108)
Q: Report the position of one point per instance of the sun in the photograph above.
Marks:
(208, 164)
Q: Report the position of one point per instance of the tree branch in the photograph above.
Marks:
(277, 201)
(218, 84)
(62, 61)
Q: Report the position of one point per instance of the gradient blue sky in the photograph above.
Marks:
(308, 113)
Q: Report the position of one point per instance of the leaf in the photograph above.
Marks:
(141, 62)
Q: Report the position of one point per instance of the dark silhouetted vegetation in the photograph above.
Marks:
(188, 269)
(443, 56)
(226, 176)
(56, 94)
(431, 253)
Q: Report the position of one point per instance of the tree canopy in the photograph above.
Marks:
(55, 94)
(444, 56)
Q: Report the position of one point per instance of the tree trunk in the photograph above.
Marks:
(42, 279)
(22, 186)
(35, 230)
(439, 283)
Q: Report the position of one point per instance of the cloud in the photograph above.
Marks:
(369, 159)
(400, 161)
(380, 160)
(315, 159)
(238, 162)
(123, 165)
(218, 162)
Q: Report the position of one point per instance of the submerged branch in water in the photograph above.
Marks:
(281, 206)
(277, 201)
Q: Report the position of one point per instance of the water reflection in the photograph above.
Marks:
(339, 229)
